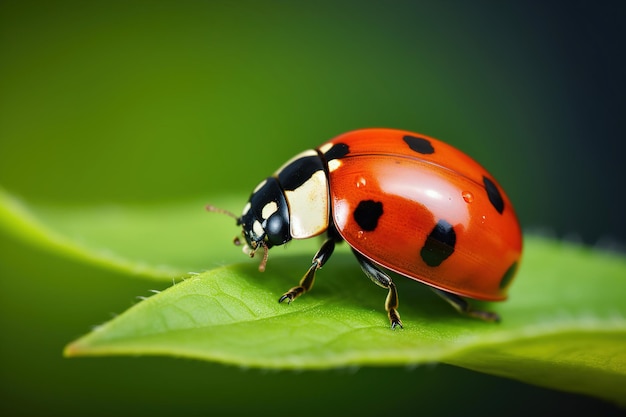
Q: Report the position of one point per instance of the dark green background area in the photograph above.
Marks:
(157, 100)
(153, 101)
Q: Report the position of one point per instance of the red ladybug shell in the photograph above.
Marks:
(424, 209)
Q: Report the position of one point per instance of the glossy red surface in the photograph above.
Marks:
(418, 190)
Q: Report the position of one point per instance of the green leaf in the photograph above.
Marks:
(564, 326)
(159, 241)
(69, 232)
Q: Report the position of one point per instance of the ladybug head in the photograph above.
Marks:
(265, 219)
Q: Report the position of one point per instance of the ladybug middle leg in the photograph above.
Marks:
(464, 307)
(384, 280)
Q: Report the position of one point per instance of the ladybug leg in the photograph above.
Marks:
(463, 306)
(382, 279)
(306, 283)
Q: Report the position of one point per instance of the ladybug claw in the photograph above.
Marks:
(291, 295)
(285, 297)
(485, 316)
(394, 318)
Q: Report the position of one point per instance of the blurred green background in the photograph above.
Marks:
(159, 101)
(119, 101)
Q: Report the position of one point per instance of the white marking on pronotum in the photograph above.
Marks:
(246, 209)
(308, 205)
(258, 187)
(269, 209)
(309, 152)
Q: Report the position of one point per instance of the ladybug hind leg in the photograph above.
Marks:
(464, 307)
(306, 283)
(382, 279)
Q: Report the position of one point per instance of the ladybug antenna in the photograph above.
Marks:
(238, 242)
(214, 209)
(251, 252)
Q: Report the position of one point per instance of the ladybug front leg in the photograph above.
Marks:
(306, 283)
(384, 280)
(464, 307)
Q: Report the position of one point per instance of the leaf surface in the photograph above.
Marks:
(561, 328)
(564, 326)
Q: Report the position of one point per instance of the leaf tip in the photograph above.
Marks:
(71, 350)
(76, 348)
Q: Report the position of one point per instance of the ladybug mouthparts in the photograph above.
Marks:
(253, 243)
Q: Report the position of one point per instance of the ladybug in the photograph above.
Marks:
(404, 202)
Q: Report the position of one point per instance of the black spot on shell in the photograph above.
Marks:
(494, 195)
(338, 151)
(508, 276)
(439, 244)
(419, 145)
(367, 214)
